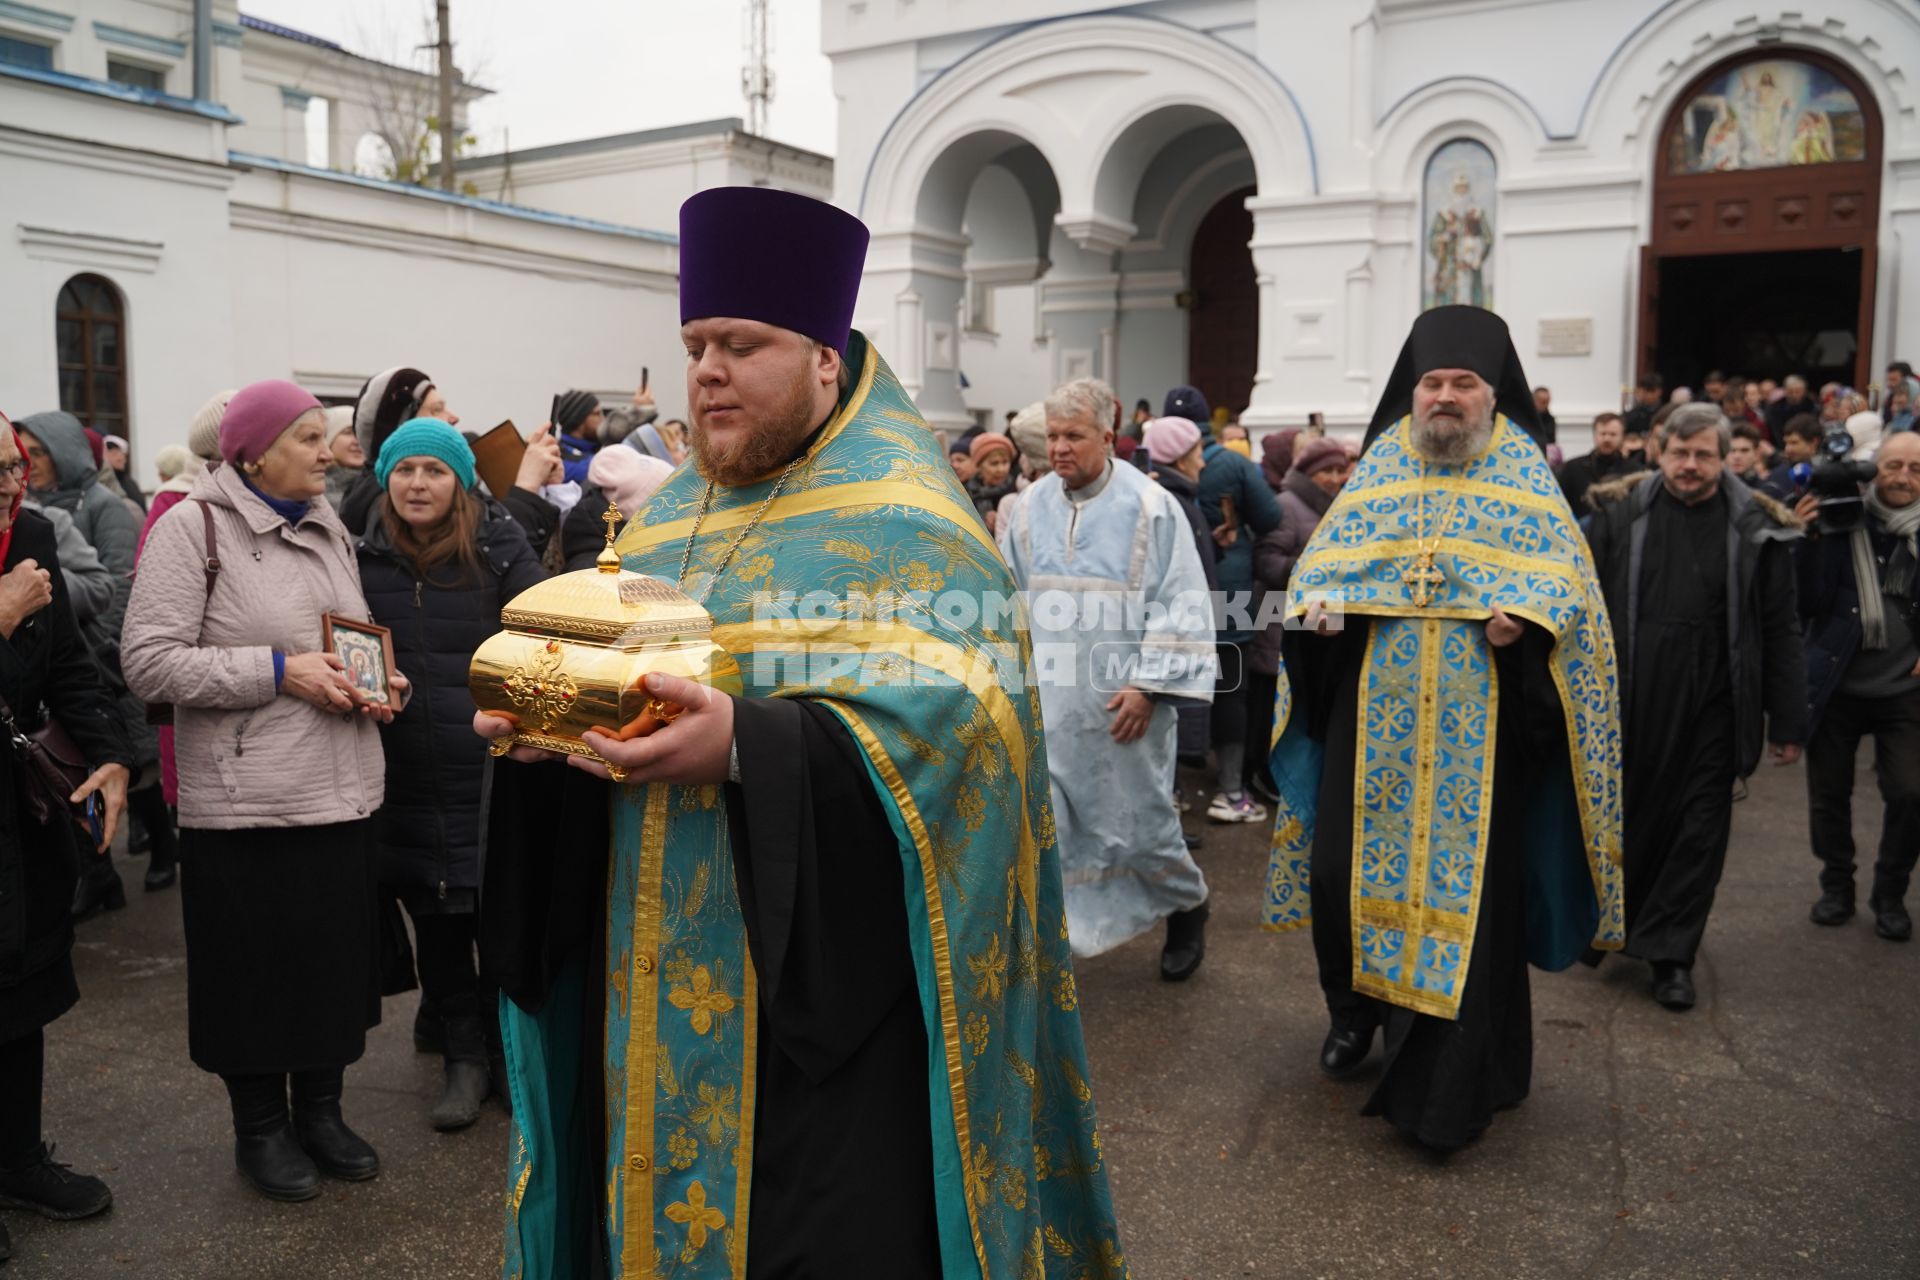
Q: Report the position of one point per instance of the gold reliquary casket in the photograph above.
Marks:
(577, 648)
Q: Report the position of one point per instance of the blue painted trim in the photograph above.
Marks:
(1306, 125)
(247, 160)
(293, 99)
(107, 33)
(226, 35)
(123, 92)
(1487, 80)
(36, 17)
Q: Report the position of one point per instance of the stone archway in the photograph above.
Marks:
(1097, 99)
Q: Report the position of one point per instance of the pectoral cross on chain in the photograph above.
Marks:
(1424, 577)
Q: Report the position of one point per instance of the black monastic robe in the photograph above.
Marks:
(1679, 761)
(1443, 1079)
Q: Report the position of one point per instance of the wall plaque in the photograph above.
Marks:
(1566, 336)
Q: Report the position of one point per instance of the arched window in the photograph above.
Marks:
(1457, 254)
(93, 354)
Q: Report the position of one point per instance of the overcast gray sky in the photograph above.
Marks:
(565, 69)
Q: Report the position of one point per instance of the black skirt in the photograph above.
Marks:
(282, 946)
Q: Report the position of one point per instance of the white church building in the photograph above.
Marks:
(1258, 196)
(1255, 196)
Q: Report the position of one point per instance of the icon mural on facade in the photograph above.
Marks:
(1765, 115)
(1458, 254)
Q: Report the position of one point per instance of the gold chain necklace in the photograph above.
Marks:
(706, 504)
(1425, 575)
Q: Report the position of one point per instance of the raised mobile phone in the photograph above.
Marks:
(96, 825)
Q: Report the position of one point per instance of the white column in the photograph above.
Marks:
(1311, 260)
(910, 307)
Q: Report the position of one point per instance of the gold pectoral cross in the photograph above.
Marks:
(1424, 577)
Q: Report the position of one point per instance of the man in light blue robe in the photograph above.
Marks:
(1122, 631)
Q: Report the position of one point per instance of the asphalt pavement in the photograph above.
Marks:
(1774, 1131)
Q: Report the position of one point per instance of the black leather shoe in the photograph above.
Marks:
(52, 1189)
(158, 878)
(1833, 908)
(276, 1166)
(1891, 921)
(1193, 841)
(1673, 986)
(1186, 943)
(1345, 1050)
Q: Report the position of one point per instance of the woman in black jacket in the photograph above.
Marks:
(437, 567)
(43, 664)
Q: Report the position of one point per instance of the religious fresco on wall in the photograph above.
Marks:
(1458, 255)
(1766, 115)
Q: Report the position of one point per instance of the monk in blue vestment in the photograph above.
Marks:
(795, 998)
(1448, 759)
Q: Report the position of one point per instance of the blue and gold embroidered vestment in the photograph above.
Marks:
(1421, 554)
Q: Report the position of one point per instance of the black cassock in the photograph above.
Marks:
(1443, 1079)
(1678, 762)
(843, 1156)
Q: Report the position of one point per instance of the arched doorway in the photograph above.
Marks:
(1766, 206)
(1223, 326)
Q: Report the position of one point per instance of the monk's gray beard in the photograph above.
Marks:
(767, 448)
(1441, 440)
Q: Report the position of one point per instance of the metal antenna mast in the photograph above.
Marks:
(756, 78)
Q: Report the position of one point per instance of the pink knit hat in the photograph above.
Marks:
(628, 476)
(987, 441)
(258, 415)
(1169, 439)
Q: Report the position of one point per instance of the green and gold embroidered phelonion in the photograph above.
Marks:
(1425, 584)
(953, 744)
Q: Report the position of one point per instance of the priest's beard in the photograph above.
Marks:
(1448, 436)
(767, 446)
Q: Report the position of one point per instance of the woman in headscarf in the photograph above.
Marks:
(437, 566)
(280, 776)
(1276, 456)
(47, 665)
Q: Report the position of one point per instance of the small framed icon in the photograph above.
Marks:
(367, 651)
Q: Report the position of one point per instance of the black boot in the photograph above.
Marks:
(1835, 907)
(1186, 943)
(264, 1149)
(53, 1190)
(1891, 921)
(148, 807)
(429, 1034)
(467, 1083)
(337, 1151)
(497, 1080)
(98, 889)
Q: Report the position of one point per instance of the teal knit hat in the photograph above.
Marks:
(426, 438)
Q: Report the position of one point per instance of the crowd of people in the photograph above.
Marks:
(175, 654)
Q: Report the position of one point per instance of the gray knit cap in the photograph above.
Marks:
(203, 437)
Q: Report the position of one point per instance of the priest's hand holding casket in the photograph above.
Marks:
(693, 749)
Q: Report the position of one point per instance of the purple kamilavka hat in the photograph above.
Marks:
(757, 253)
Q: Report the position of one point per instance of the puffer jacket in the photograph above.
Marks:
(428, 832)
(104, 519)
(250, 756)
(1302, 503)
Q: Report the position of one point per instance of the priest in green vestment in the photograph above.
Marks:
(1448, 760)
(795, 998)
